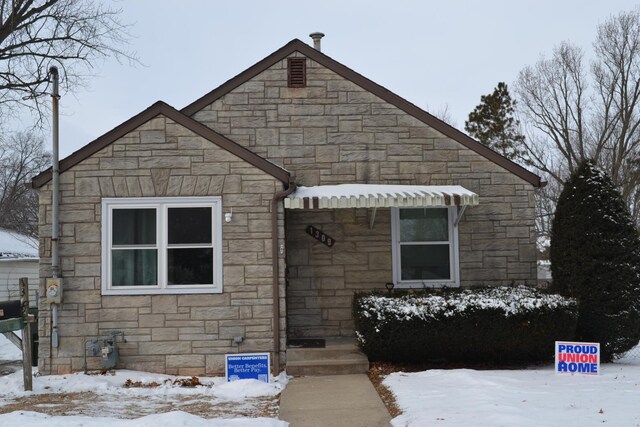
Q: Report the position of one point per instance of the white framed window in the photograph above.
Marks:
(169, 245)
(425, 247)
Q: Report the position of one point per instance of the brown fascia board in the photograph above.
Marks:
(297, 45)
(162, 108)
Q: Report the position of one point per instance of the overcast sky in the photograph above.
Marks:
(448, 52)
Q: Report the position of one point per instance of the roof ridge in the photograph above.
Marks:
(370, 86)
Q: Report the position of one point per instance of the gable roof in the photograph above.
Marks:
(162, 108)
(368, 85)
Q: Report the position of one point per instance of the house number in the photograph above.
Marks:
(319, 235)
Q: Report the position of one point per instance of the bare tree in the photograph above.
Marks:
(444, 113)
(35, 34)
(22, 156)
(575, 112)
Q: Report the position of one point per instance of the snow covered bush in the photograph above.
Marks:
(496, 325)
(595, 258)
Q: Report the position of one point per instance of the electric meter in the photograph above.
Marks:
(54, 291)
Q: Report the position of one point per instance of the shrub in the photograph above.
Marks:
(495, 325)
(595, 258)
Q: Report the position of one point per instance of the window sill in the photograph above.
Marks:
(164, 291)
(425, 285)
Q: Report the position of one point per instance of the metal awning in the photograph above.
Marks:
(379, 196)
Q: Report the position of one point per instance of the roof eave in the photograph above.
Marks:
(162, 108)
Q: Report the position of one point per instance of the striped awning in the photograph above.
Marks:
(379, 196)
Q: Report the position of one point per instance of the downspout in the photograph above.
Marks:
(55, 204)
(291, 186)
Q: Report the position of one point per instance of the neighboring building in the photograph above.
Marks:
(544, 273)
(18, 258)
(183, 229)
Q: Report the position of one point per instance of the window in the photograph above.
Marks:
(161, 245)
(425, 247)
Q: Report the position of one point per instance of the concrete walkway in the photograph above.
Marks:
(333, 401)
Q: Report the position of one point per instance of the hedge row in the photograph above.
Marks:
(494, 325)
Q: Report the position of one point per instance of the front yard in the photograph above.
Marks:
(439, 397)
(148, 400)
(524, 397)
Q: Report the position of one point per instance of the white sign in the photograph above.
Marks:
(577, 358)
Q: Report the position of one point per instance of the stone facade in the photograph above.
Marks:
(178, 334)
(333, 131)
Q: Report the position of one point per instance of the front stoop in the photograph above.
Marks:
(339, 357)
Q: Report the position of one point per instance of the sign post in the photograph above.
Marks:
(577, 358)
(244, 366)
(26, 335)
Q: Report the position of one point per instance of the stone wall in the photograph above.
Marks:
(322, 279)
(176, 334)
(333, 131)
(330, 132)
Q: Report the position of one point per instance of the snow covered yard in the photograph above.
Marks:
(9, 351)
(103, 400)
(529, 397)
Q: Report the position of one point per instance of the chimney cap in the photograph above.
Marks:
(317, 36)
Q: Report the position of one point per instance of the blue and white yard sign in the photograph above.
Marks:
(577, 358)
(247, 366)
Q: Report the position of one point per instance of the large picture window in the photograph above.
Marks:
(425, 251)
(161, 245)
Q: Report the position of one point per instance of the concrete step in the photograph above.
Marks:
(295, 354)
(340, 356)
(328, 367)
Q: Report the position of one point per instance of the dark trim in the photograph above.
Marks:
(370, 86)
(241, 78)
(162, 108)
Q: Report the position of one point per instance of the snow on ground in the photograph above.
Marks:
(102, 400)
(529, 397)
(8, 351)
(113, 383)
(169, 419)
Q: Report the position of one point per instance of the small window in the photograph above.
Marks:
(153, 245)
(297, 72)
(425, 247)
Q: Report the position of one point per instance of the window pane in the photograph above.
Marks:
(134, 267)
(134, 226)
(192, 266)
(189, 225)
(424, 225)
(425, 262)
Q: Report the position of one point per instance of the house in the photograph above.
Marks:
(18, 258)
(251, 216)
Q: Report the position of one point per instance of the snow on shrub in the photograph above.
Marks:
(499, 325)
(510, 301)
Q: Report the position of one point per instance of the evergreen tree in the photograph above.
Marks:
(492, 123)
(595, 258)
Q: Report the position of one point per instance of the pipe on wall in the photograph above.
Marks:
(55, 202)
(290, 188)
